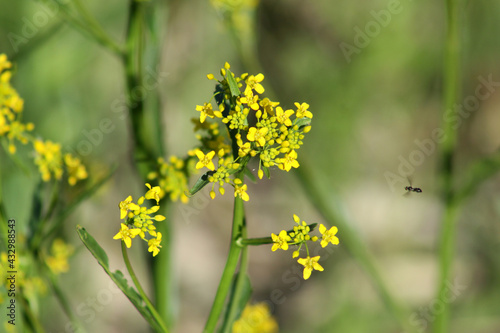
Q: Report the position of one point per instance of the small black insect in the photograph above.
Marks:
(412, 189)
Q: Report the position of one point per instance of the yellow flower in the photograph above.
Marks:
(328, 235)
(268, 105)
(256, 318)
(58, 261)
(253, 82)
(289, 161)
(127, 205)
(241, 191)
(4, 63)
(16, 130)
(283, 117)
(258, 135)
(302, 110)
(280, 241)
(207, 111)
(244, 149)
(127, 234)
(153, 193)
(251, 100)
(154, 244)
(76, 170)
(49, 159)
(205, 160)
(310, 264)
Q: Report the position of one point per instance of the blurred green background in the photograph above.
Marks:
(369, 108)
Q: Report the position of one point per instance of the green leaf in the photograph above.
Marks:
(117, 276)
(201, 183)
(250, 175)
(239, 302)
(35, 228)
(233, 85)
(266, 172)
(302, 122)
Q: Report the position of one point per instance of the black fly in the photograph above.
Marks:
(412, 189)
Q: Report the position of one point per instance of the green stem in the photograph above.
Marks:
(31, 318)
(148, 145)
(229, 269)
(451, 92)
(138, 286)
(238, 291)
(164, 287)
(351, 241)
(143, 154)
(254, 241)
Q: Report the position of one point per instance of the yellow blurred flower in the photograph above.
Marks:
(256, 318)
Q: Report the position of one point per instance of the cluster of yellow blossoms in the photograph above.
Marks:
(139, 222)
(58, 258)
(28, 277)
(300, 236)
(172, 177)
(48, 155)
(257, 127)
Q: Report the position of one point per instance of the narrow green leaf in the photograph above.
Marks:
(250, 175)
(117, 276)
(202, 181)
(36, 212)
(266, 172)
(239, 302)
(233, 85)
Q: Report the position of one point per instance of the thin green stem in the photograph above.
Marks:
(30, 317)
(451, 93)
(229, 269)
(148, 145)
(164, 287)
(138, 286)
(254, 241)
(143, 154)
(237, 294)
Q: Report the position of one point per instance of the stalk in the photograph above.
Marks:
(451, 92)
(230, 268)
(138, 286)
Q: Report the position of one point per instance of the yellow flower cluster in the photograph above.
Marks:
(138, 220)
(11, 107)
(172, 178)
(300, 236)
(275, 136)
(256, 318)
(58, 260)
(48, 155)
(28, 281)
